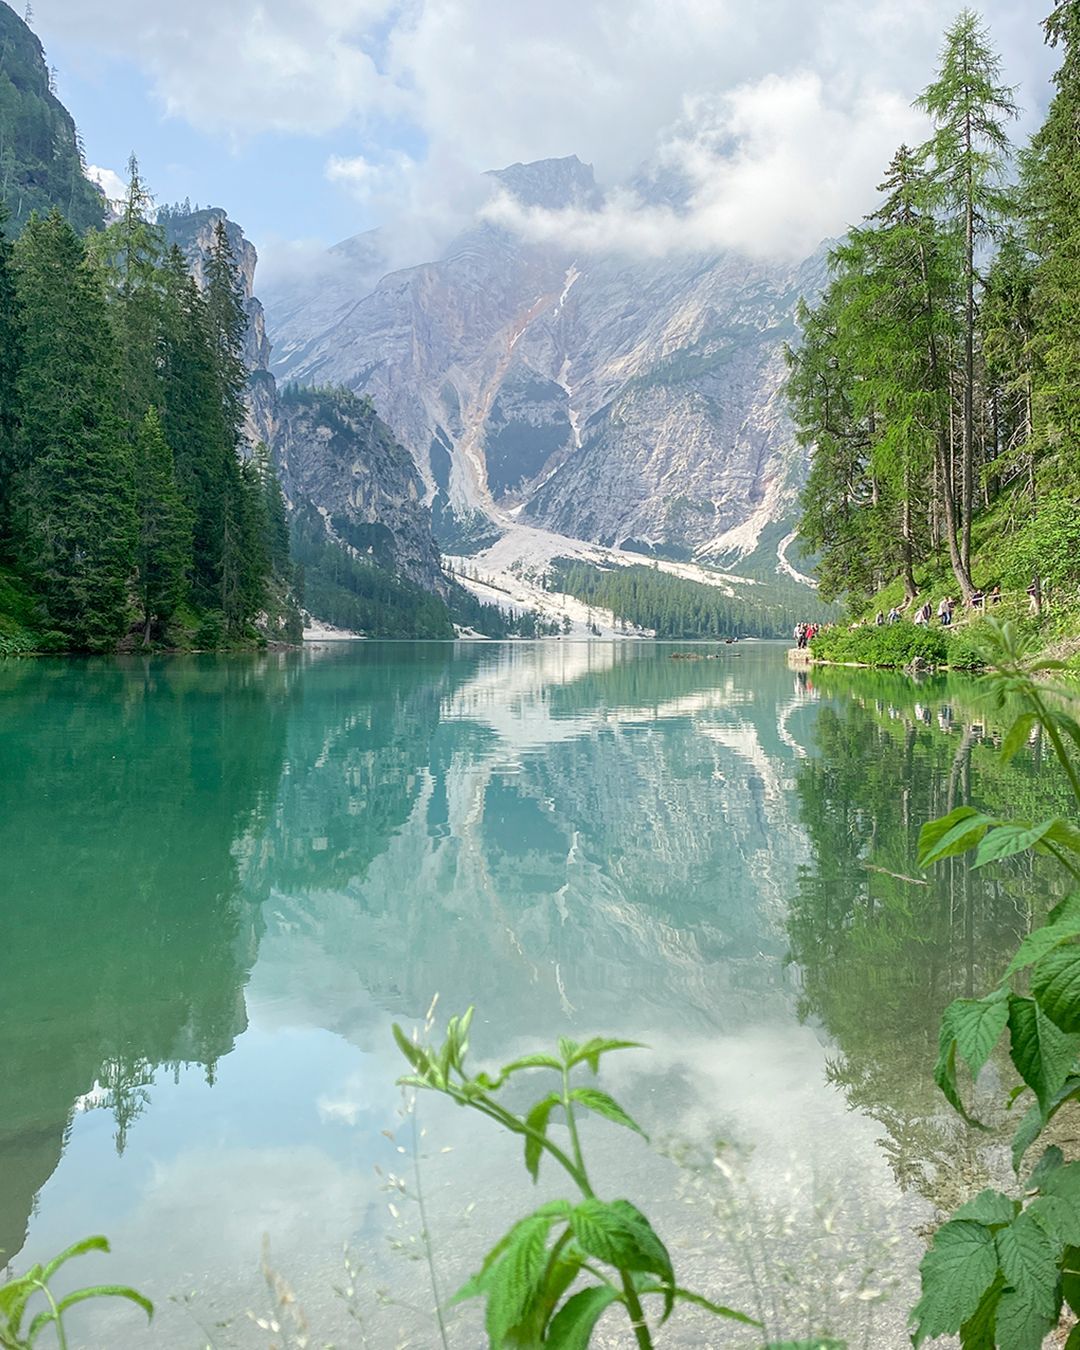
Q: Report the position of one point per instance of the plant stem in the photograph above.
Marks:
(425, 1234)
(637, 1316)
(575, 1141)
(61, 1337)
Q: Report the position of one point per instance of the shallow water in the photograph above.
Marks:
(222, 879)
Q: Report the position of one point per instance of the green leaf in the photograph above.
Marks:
(1059, 1219)
(1055, 982)
(416, 1056)
(621, 1235)
(1045, 939)
(518, 1276)
(537, 1119)
(1073, 1342)
(1029, 1258)
(590, 1052)
(971, 1028)
(989, 1208)
(567, 1050)
(1064, 834)
(1020, 1324)
(42, 1320)
(1064, 1182)
(978, 1332)
(573, 1325)
(956, 1272)
(1017, 735)
(955, 833)
(90, 1244)
(603, 1105)
(1027, 1132)
(718, 1310)
(1041, 1052)
(1006, 840)
(1065, 910)
(478, 1283)
(539, 1061)
(1070, 1279)
(1051, 1160)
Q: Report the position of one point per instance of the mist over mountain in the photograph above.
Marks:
(626, 401)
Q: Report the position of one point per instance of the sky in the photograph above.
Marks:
(312, 120)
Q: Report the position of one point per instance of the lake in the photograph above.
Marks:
(224, 878)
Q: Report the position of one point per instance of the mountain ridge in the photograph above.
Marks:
(622, 402)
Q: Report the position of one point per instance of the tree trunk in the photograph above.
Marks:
(960, 571)
(910, 589)
(968, 468)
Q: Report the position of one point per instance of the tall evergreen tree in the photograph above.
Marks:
(1052, 178)
(10, 355)
(163, 550)
(193, 423)
(131, 250)
(77, 474)
(969, 154)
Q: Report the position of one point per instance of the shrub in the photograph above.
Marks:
(891, 646)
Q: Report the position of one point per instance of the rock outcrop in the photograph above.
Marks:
(615, 400)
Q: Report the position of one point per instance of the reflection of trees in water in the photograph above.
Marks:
(127, 789)
(883, 948)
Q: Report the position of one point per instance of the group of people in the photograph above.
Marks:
(924, 615)
(805, 633)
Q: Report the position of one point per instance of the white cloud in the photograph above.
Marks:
(782, 115)
(771, 169)
(110, 182)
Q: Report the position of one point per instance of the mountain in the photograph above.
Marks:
(359, 525)
(41, 163)
(631, 403)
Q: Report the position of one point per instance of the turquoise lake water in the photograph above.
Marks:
(223, 878)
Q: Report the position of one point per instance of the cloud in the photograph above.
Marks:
(780, 116)
(110, 182)
(769, 168)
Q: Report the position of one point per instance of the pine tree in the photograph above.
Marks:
(969, 154)
(77, 474)
(163, 551)
(1052, 179)
(10, 356)
(131, 251)
(193, 423)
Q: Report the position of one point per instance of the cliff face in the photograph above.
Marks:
(614, 400)
(41, 163)
(331, 449)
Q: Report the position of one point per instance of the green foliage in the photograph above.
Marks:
(675, 608)
(41, 160)
(889, 646)
(21, 1326)
(356, 595)
(1000, 1270)
(76, 499)
(531, 1279)
(124, 482)
(163, 550)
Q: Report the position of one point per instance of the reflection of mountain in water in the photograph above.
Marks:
(883, 948)
(533, 830)
(128, 791)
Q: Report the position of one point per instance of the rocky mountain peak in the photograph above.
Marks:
(552, 184)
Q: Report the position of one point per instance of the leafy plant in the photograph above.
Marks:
(1000, 1270)
(557, 1270)
(17, 1294)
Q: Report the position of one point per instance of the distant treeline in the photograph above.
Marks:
(676, 608)
(127, 503)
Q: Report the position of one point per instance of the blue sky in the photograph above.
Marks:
(310, 120)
